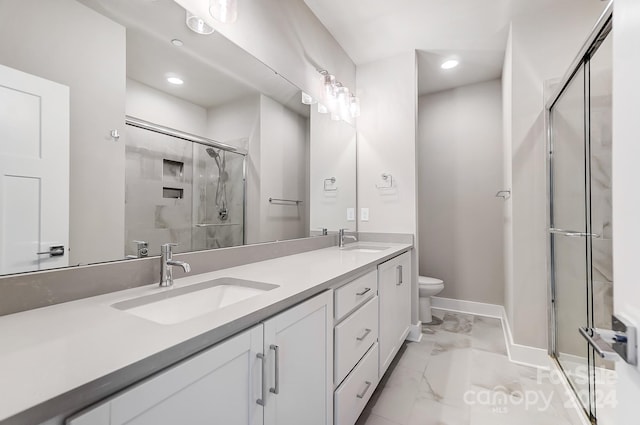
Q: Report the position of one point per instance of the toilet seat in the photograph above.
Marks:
(424, 280)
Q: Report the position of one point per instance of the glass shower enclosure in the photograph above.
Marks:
(580, 222)
(181, 188)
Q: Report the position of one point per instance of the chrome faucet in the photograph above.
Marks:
(166, 265)
(342, 237)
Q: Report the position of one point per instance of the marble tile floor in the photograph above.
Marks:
(460, 374)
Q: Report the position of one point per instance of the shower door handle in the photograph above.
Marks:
(572, 233)
(601, 347)
(620, 342)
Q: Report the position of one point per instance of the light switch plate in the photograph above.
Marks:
(351, 214)
(364, 214)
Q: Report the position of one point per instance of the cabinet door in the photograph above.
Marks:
(220, 385)
(299, 347)
(403, 293)
(394, 288)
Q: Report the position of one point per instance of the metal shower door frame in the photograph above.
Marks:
(600, 31)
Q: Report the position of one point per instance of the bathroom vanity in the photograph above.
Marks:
(311, 349)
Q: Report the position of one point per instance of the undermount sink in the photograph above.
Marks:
(364, 248)
(180, 304)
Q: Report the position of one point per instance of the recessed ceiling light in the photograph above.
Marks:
(451, 63)
(177, 42)
(175, 80)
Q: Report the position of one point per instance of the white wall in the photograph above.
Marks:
(507, 227)
(460, 171)
(333, 149)
(541, 48)
(234, 123)
(288, 37)
(152, 105)
(626, 197)
(41, 38)
(387, 144)
(283, 152)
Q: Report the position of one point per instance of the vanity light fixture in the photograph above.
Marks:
(449, 64)
(354, 106)
(344, 102)
(175, 80)
(337, 99)
(198, 25)
(225, 11)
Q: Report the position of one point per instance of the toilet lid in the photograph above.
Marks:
(424, 280)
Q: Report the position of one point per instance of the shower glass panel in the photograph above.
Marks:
(182, 192)
(601, 244)
(569, 245)
(219, 185)
(581, 226)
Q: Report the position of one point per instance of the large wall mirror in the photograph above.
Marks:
(121, 129)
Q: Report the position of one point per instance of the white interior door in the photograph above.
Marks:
(34, 172)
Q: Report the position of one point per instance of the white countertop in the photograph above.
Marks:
(50, 356)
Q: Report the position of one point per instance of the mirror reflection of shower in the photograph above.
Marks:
(221, 188)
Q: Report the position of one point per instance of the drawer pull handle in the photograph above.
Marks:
(364, 335)
(361, 395)
(364, 291)
(276, 388)
(399, 277)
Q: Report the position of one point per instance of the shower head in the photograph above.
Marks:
(213, 154)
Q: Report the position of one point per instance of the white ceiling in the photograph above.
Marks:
(473, 31)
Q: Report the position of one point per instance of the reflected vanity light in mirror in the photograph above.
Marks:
(449, 64)
(225, 11)
(322, 109)
(198, 25)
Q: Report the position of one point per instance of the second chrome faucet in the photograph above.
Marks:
(342, 237)
(166, 265)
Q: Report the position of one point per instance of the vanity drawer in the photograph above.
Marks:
(355, 293)
(354, 393)
(353, 337)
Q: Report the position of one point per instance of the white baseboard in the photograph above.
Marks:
(415, 332)
(481, 309)
(522, 354)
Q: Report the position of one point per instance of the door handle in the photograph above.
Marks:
(572, 233)
(54, 251)
(276, 388)
(263, 385)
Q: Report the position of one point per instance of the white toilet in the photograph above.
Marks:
(428, 287)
